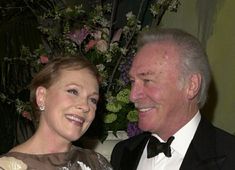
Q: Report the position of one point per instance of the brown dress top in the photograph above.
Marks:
(75, 159)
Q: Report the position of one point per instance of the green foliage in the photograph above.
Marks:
(93, 34)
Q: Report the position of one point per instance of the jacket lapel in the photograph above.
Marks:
(130, 159)
(202, 150)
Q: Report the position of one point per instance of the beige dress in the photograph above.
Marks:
(76, 159)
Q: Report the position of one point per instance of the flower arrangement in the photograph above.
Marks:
(11, 163)
(94, 35)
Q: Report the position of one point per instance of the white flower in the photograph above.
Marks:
(11, 163)
(83, 166)
(102, 46)
(100, 67)
(130, 15)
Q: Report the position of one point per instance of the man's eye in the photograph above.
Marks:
(132, 81)
(146, 80)
(73, 91)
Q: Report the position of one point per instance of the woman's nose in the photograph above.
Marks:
(83, 106)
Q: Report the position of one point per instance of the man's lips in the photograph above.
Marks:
(144, 109)
(77, 120)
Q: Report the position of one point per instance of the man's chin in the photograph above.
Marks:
(144, 126)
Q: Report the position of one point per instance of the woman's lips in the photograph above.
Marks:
(77, 120)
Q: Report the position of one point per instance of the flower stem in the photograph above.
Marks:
(126, 47)
(113, 16)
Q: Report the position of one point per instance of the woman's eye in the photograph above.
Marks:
(73, 91)
(94, 100)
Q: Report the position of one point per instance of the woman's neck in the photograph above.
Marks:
(39, 144)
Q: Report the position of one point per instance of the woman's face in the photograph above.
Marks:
(70, 104)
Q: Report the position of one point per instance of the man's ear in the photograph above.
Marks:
(40, 96)
(194, 84)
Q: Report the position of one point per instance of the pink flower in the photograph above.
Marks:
(44, 59)
(117, 35)
(90, 45)
(78, 36)
(27, 115)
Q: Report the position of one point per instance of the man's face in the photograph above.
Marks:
(157, 91)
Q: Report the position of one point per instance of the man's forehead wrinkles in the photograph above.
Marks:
(146, 73)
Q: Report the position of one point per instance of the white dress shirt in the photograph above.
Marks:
(179, 147)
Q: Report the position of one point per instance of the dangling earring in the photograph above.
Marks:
(42, 108)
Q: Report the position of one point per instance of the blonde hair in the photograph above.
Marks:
(51, 72)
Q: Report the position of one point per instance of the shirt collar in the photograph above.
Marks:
(184, 136)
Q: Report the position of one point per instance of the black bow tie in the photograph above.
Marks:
(155, 147)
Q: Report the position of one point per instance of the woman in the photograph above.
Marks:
(65, 94)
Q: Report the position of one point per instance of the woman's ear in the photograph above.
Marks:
(194, 85)
(40, 96)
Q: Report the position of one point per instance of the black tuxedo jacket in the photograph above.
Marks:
(210, 149)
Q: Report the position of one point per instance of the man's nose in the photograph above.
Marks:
(136, 92)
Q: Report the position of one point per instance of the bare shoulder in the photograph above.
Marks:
(22, 148)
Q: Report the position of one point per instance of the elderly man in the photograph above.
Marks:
(170, 76)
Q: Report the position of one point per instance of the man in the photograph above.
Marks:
(170, 76)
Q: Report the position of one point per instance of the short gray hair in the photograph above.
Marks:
(193, 55)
